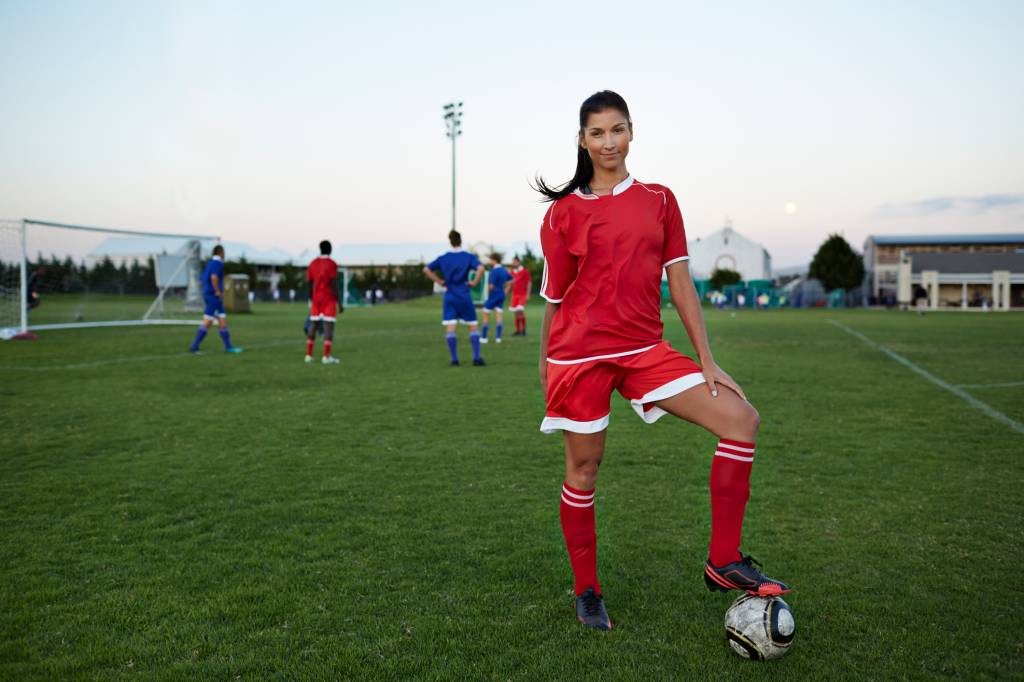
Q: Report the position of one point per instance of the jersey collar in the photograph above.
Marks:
(616, 191)
(217, 258)
(456, 249)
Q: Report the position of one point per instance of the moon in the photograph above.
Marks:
(790, 208)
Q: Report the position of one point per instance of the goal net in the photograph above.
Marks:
(59, 276)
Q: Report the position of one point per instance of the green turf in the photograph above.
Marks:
(215, 517)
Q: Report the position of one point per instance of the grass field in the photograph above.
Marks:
(174, 517)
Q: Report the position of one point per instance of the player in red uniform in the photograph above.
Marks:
(520, 294)
(325, 301)
(606, 238)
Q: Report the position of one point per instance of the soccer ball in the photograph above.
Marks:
(759, 628)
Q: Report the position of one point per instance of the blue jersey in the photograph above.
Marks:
(499, 276)
(215, 266)
(455, 267)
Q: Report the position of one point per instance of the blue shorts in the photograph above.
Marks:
(496, 301)
(458, 308)
(214, 307)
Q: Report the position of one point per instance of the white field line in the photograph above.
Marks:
(166, 356)
(1008, 384)
(958, 392)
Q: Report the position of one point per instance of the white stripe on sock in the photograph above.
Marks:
(576, 504)
(738, 458)
(570, 493)
(737, 448)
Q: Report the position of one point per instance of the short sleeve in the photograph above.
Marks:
(309, 272)
(474, 262)
(559, 264)
(434, 264)
(674, 249)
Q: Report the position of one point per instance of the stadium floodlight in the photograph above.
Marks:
(453, 123)
(62, 276)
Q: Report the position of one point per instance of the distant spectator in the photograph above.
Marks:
(379, 294)
(277, 295)
(291, 295)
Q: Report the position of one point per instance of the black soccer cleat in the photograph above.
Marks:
(479, 362)
(591, 612)
(742, 575)
(455, 363)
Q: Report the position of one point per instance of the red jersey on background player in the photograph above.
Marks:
(324, 298)
(606, 239)
(520, 295)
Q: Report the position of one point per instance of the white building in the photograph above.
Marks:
(729, 250)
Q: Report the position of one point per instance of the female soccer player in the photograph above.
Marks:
(606, 238)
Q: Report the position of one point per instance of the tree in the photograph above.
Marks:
(723, 277)
(837, 265)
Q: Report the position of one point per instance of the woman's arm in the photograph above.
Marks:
(545, 330)
(684, 298)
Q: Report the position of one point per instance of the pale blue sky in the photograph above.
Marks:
(279, 124)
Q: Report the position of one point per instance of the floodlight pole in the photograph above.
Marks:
(453, 121)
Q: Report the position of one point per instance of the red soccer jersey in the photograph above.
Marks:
(603, 259)
(322, 272)
(521, 282)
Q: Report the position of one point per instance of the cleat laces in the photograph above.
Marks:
(591, 603)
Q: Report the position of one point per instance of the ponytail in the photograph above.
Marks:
(599, 101)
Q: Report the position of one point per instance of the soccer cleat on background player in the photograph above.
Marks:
(308, 360)
(497, 340)
(483, 339)
(234, 349)
(329, 360)
(479, 362)
(742, 575)
(590, 611)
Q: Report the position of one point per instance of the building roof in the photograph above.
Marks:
(967, 263)
(925, 239)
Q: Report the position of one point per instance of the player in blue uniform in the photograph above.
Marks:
(213, 293)
(498, 285)
(455, 267)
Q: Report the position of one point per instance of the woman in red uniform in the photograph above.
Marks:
(606, 238)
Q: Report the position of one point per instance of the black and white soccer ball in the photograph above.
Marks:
(760, 628)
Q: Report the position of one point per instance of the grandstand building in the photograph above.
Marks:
(944, 271)
(727, 249)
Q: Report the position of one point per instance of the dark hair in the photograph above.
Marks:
(599, 101)
(454, 238)
(495, 256)
(218, 251)
(325, 247)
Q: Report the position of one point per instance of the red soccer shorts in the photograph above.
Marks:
(579, 393)
(518, 302)
(323, 310)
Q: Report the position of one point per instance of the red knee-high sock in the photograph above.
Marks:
(730, 488)
(522, 321)
(577, 512)
(327, 347)
(309, 346)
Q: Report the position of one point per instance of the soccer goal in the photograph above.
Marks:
(60, 276)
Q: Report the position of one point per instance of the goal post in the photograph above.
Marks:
(63, 276)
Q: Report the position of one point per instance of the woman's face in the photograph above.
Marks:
(606, 138)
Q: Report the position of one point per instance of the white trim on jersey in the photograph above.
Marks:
(553, 424)
(675, 260)
(664, 197)
(674, 387)
(616, 191)
(600, 357)
(544, 285)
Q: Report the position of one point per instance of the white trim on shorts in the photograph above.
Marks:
(491, 310)
(212, 317)
(459, 321)
(324, 318)
(674, 387)
(516, 308)
(602, 357)
(553, 424)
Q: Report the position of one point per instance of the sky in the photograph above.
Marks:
(280, 124)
